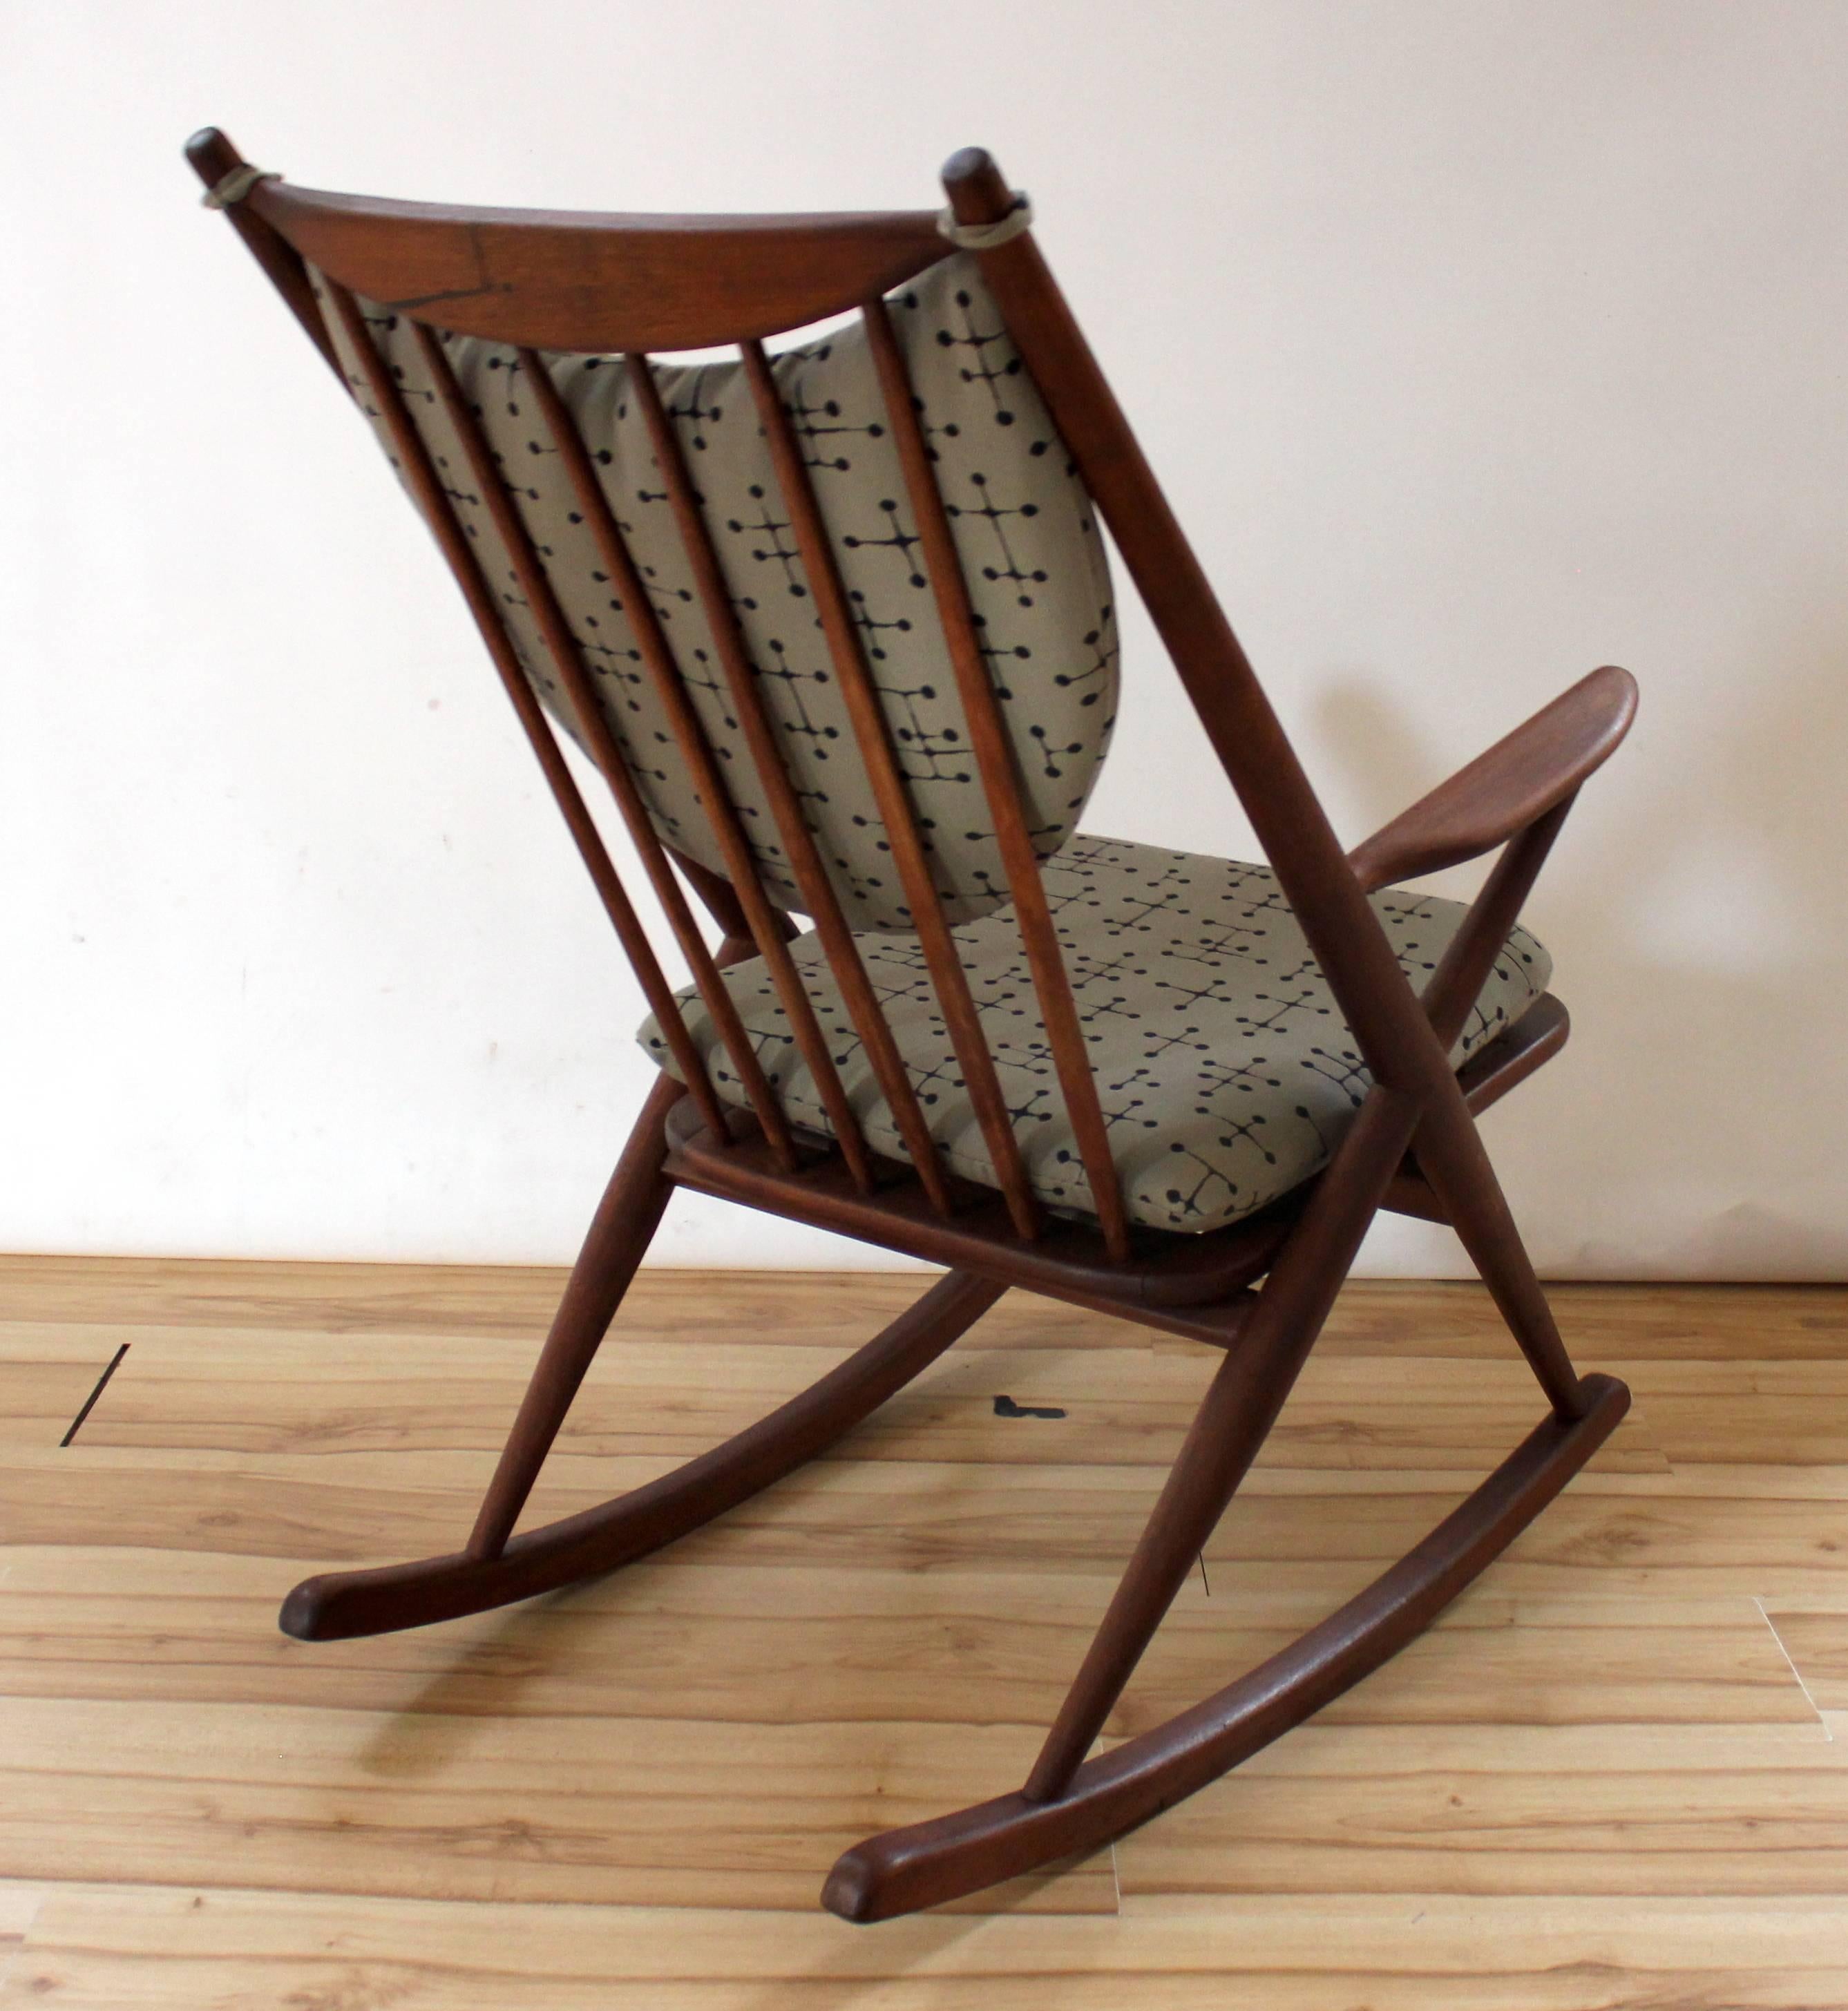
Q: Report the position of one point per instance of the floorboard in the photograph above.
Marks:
(1615, 1775)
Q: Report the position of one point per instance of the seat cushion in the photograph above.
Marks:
(1226, 1071)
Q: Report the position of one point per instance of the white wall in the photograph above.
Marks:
(1478, 343)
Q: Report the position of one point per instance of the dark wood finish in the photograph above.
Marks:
(552, 279)
(871, 738)
(1233, 1420)
(561, 645)
(427, 488)
(1233, 711)
(1001, 784)
(1452, 1155)
(954, 998)
(1259, 1290)
(1457, 981)
(1330, 903)
(726, 902)
(213, 157)
(926, 1864)
(339, 1605)
(1506, 1061)
(1067, 1261)
(620, 1233)
(750, 912)
(1504, 790)
(799, 845)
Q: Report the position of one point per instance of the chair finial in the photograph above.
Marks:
(977, 190)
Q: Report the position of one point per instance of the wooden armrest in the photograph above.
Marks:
(1507, 787)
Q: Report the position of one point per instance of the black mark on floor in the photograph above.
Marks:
(1005, 1407)
(102, 1383)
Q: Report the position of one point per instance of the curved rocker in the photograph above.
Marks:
(341, 1604)
(928, 1863)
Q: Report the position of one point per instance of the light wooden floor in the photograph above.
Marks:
(1616, 1775)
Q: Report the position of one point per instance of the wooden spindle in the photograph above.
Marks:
(873, 734)
(816, 890)
(562, 647)
(428, 490)
(768, 925)
(1001, 783)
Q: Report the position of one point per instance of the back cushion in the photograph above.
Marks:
(1024, 530)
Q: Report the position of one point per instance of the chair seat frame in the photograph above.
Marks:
(1259, 1290)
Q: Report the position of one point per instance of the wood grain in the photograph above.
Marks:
(101, 1948)
(46, 1377)
(19, 1908)
(1506, 789)
(1599, 1781)
(1813, 1634)
(1626, 1323)
(334, 1393)
(566, 279)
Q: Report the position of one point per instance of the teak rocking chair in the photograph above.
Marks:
(835, 625)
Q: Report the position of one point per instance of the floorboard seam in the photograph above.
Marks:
(1822, 1716)
(9, 1963)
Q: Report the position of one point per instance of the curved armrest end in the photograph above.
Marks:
(1508, 787)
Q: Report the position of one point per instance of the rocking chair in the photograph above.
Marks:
(835, 625)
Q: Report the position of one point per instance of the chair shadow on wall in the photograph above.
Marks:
(1708, 928)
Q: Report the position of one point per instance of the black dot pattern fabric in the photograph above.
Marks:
(1226, 1072)
(1024, 532)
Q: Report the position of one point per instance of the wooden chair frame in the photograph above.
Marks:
(1260, 1289)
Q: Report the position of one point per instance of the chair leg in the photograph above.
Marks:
(1234, 1419)
(620, 1233)
(1455, 1161)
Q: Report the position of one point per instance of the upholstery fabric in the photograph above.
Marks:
(1023, 528)
(1225, 1070)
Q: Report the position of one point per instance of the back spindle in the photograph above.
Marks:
(815, 889)
(768, 929)
(1001, 784)
(431, 495)
(873, 737)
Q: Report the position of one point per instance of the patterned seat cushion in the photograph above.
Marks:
(1226, 1072)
